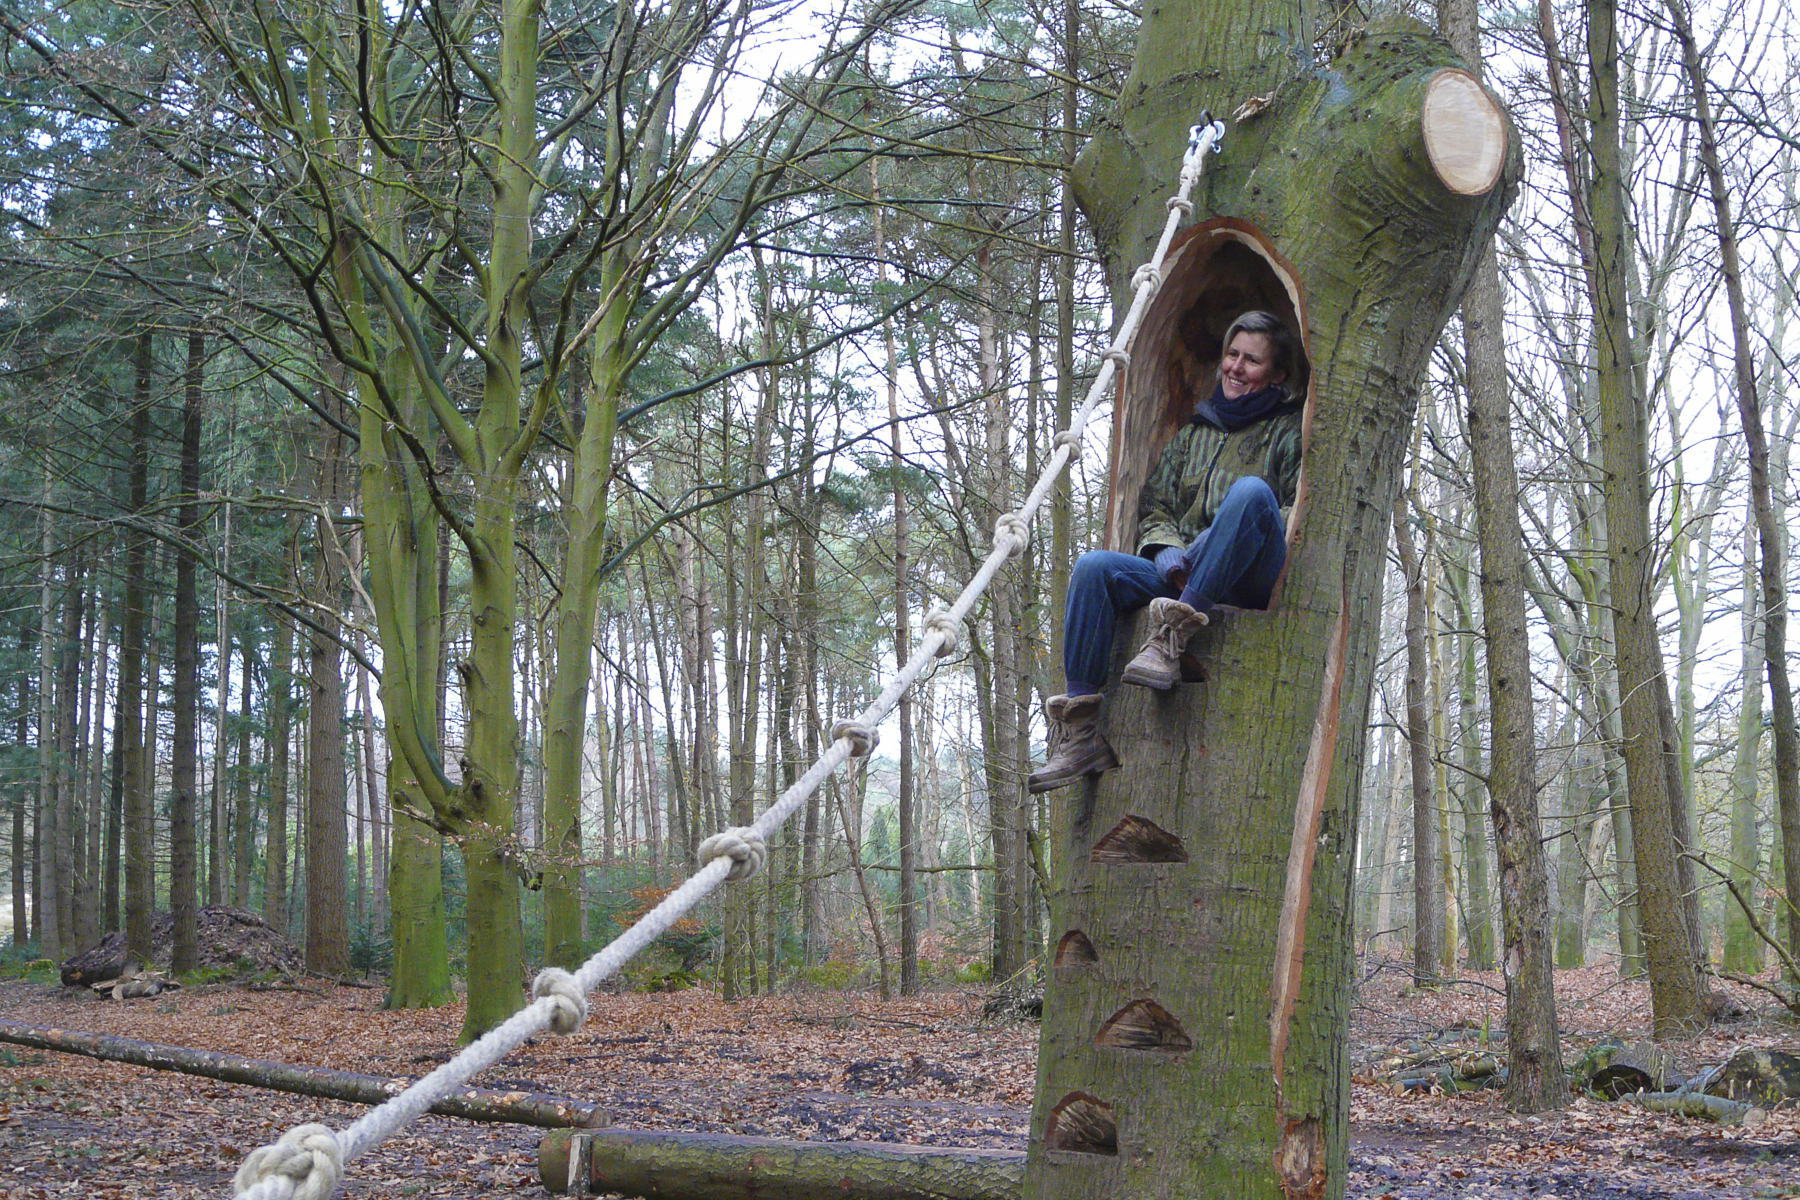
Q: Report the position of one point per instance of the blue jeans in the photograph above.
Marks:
(1234, 561)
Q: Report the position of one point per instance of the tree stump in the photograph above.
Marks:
(1760, 1077)
(1616, 1071)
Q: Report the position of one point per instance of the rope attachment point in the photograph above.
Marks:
(571, 1002)
(305, 1164)
(742, 845)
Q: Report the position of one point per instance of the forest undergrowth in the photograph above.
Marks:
(823, 1066)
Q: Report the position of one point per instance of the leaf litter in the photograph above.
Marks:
(819, 1066)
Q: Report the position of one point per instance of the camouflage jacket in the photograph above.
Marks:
(1200, 464)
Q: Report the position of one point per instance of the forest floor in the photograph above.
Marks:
(821, 1066)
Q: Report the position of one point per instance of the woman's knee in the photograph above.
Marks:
(1252, 489)
(1089, 569)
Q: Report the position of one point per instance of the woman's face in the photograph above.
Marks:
(1249, 365)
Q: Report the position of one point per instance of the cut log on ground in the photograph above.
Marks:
(711, 1166)
(471, 1104)
(1699, 1104)
(1468, 1073)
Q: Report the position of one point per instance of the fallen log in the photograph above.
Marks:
(1698, 1104)
(471, 1104)
(714, 1166)
(1468, 1073)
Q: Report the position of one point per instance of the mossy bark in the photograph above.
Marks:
(1197, 1046)
(421, 973)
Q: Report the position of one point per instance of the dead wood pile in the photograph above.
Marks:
(229, 939)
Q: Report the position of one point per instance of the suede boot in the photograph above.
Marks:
(1158, 664)
(1080, 751)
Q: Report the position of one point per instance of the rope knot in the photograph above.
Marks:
(742, 845)
(571, 1009)
(1147, 274)
(1182, 205)
(1011, 527)
(1070, 438)
(863, 738)
(1118, 356)
(939, 621)
(304, 1165)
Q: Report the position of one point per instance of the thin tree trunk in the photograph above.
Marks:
(281, 732)
(853, 840)
(1428, 891)
(184, 767)
(216, 839)
(1674, 981)
(1772, 545)
(327, 926)
(1743, 949)
(243, 823)
(908, 903)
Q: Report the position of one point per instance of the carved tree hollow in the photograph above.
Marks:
(1136, 840)
(1082, 1124)
(1144, 1025)
(1216, 271)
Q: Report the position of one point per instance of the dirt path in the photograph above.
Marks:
(820, 1067)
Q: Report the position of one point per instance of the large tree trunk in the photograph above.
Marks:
(1674, 981)
(1210, 874)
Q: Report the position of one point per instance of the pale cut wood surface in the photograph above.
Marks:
(1465, 132)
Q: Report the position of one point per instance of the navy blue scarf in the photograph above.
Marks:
(1248, 409)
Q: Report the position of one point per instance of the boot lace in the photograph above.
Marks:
(1167, 635)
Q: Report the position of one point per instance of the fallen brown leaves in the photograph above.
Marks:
(1412, 1144)
(815, 1066)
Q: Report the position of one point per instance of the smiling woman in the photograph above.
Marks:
(1210, 530)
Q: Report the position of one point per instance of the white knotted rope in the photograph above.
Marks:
(308, 1160)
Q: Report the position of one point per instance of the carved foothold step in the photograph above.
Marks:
(1135, 840)
(1082, 1124)
(1075, 951)
(1144, 1025)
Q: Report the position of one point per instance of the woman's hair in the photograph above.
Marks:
(1281, 340)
